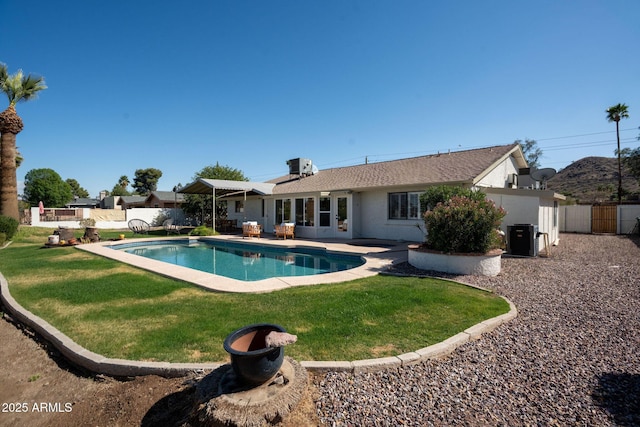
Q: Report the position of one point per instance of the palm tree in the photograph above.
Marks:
(18, 88)
(19, 158)
(123, 182)
(614, 114)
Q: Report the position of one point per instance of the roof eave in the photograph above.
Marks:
(515, 151)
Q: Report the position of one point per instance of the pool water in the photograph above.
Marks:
(245, 262)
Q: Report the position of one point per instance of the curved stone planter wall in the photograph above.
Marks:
(483, 265)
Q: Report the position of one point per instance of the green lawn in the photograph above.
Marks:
(122, 312)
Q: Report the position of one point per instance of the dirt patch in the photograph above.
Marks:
(40, 388)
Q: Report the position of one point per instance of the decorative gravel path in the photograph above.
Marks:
(571, 357)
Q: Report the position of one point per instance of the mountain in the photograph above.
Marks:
(593, 180)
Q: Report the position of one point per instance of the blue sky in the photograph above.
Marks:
(250, 84)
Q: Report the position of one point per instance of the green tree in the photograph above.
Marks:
(531, 151)
(146, 181)
(46, 185)
(18, 88)
(117, 190)
(615, 114)
(123, 181)
(221, 172)
(631, 159)
(120, 189)
(76, 189)
(199, 205)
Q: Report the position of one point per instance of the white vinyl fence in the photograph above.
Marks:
(577, 219)
(628, 218)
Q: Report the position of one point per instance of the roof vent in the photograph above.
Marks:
(299, 166)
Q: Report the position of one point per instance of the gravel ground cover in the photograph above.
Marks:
(571, 357)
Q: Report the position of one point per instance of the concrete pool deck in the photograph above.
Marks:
(378, 255)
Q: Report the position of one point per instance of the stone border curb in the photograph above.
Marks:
(86, 359)
(120, 367)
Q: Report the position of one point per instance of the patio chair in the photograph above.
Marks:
(139, 226)
(170, 227)
(285, 230)
(251, 229)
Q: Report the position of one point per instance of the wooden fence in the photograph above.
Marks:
(54, 215)
(604, 218)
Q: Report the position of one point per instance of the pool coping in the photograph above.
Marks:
(377, 259)
(97, 363)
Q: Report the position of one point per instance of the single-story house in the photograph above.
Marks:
(82, 202)
(156, 199)
(128, 202)
(382, 200)
(164, 199)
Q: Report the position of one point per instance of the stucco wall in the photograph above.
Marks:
(520, 209)
(498, 176)
(153, 216)
(252, 212)
(111, 219)
(546, 221)
(375, 224)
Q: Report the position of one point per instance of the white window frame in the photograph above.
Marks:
(306, 218)
(406, 203)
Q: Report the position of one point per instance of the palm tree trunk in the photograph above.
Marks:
(619, 164)
(8, 182)
(10, 126)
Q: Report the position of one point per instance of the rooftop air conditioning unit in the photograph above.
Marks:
(300, 166)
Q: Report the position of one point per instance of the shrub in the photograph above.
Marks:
(463, 225)
(8, 226)
(88, 222)
(160, 218)
(443, 193)
(3, 238)
(203, 231)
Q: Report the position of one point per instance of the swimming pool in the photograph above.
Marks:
(245, 262)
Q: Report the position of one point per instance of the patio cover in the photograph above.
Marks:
(222, 187)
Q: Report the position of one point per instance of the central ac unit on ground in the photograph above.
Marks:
(522, 239)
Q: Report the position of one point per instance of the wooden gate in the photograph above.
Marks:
(604, 218)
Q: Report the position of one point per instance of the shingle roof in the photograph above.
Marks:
(455, 167)
(132, 199)
(82, 201)
(167, 196)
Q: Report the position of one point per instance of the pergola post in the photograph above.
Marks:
(213, 211)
